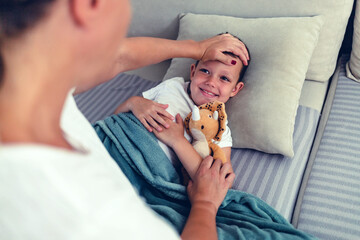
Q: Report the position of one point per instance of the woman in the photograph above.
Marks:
(56, 178)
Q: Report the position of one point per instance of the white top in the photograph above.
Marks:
(174, 93)
(53, 193)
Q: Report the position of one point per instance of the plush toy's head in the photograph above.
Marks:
(209, 118)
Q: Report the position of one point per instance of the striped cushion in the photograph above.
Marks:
(275, 178)
(331, 204)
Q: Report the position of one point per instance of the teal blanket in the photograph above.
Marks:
(136, 151)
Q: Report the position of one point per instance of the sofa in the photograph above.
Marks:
(298, 144)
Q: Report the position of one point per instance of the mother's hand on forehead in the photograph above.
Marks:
(213, 48)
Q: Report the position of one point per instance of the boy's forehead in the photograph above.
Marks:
(226, 69)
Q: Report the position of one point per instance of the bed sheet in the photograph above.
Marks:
(273, 178)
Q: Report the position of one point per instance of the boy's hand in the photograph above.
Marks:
(213, 48)
(173, 134)
(151, 114)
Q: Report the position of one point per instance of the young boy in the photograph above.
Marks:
(209, 81)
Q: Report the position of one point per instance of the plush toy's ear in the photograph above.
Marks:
(186, 123)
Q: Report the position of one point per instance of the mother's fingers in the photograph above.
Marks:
(230, 60)
(227, 173)
(230, 179)
(238, 43)
(238, 48)
(217, 169)
(217, 165)
(225, 170)
(207, 162)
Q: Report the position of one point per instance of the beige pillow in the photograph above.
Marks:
(262, 115)
(353, 66)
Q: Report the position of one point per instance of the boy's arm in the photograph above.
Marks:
(188, 156)
(174, 138)
(150, 113)
(227, 151)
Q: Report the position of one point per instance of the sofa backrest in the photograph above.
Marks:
(159, 18)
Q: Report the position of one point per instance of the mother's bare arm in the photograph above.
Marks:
(138, 52)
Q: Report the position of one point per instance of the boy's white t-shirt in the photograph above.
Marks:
(174, 92)
(52, 193)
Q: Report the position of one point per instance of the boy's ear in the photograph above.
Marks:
(192, 71)
(237, 88)
(84, 11)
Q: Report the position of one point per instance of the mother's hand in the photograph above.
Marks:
(211, 183)
(213, 48)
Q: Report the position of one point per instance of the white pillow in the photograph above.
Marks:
(353, 66)
(262, 115)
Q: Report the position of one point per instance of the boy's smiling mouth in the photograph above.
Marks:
(208, 93)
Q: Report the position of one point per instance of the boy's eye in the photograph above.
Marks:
(225, 79)
(204, 70)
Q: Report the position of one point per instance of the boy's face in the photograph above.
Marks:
(213, 80)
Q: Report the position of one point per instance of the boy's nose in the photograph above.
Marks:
(211, 81)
